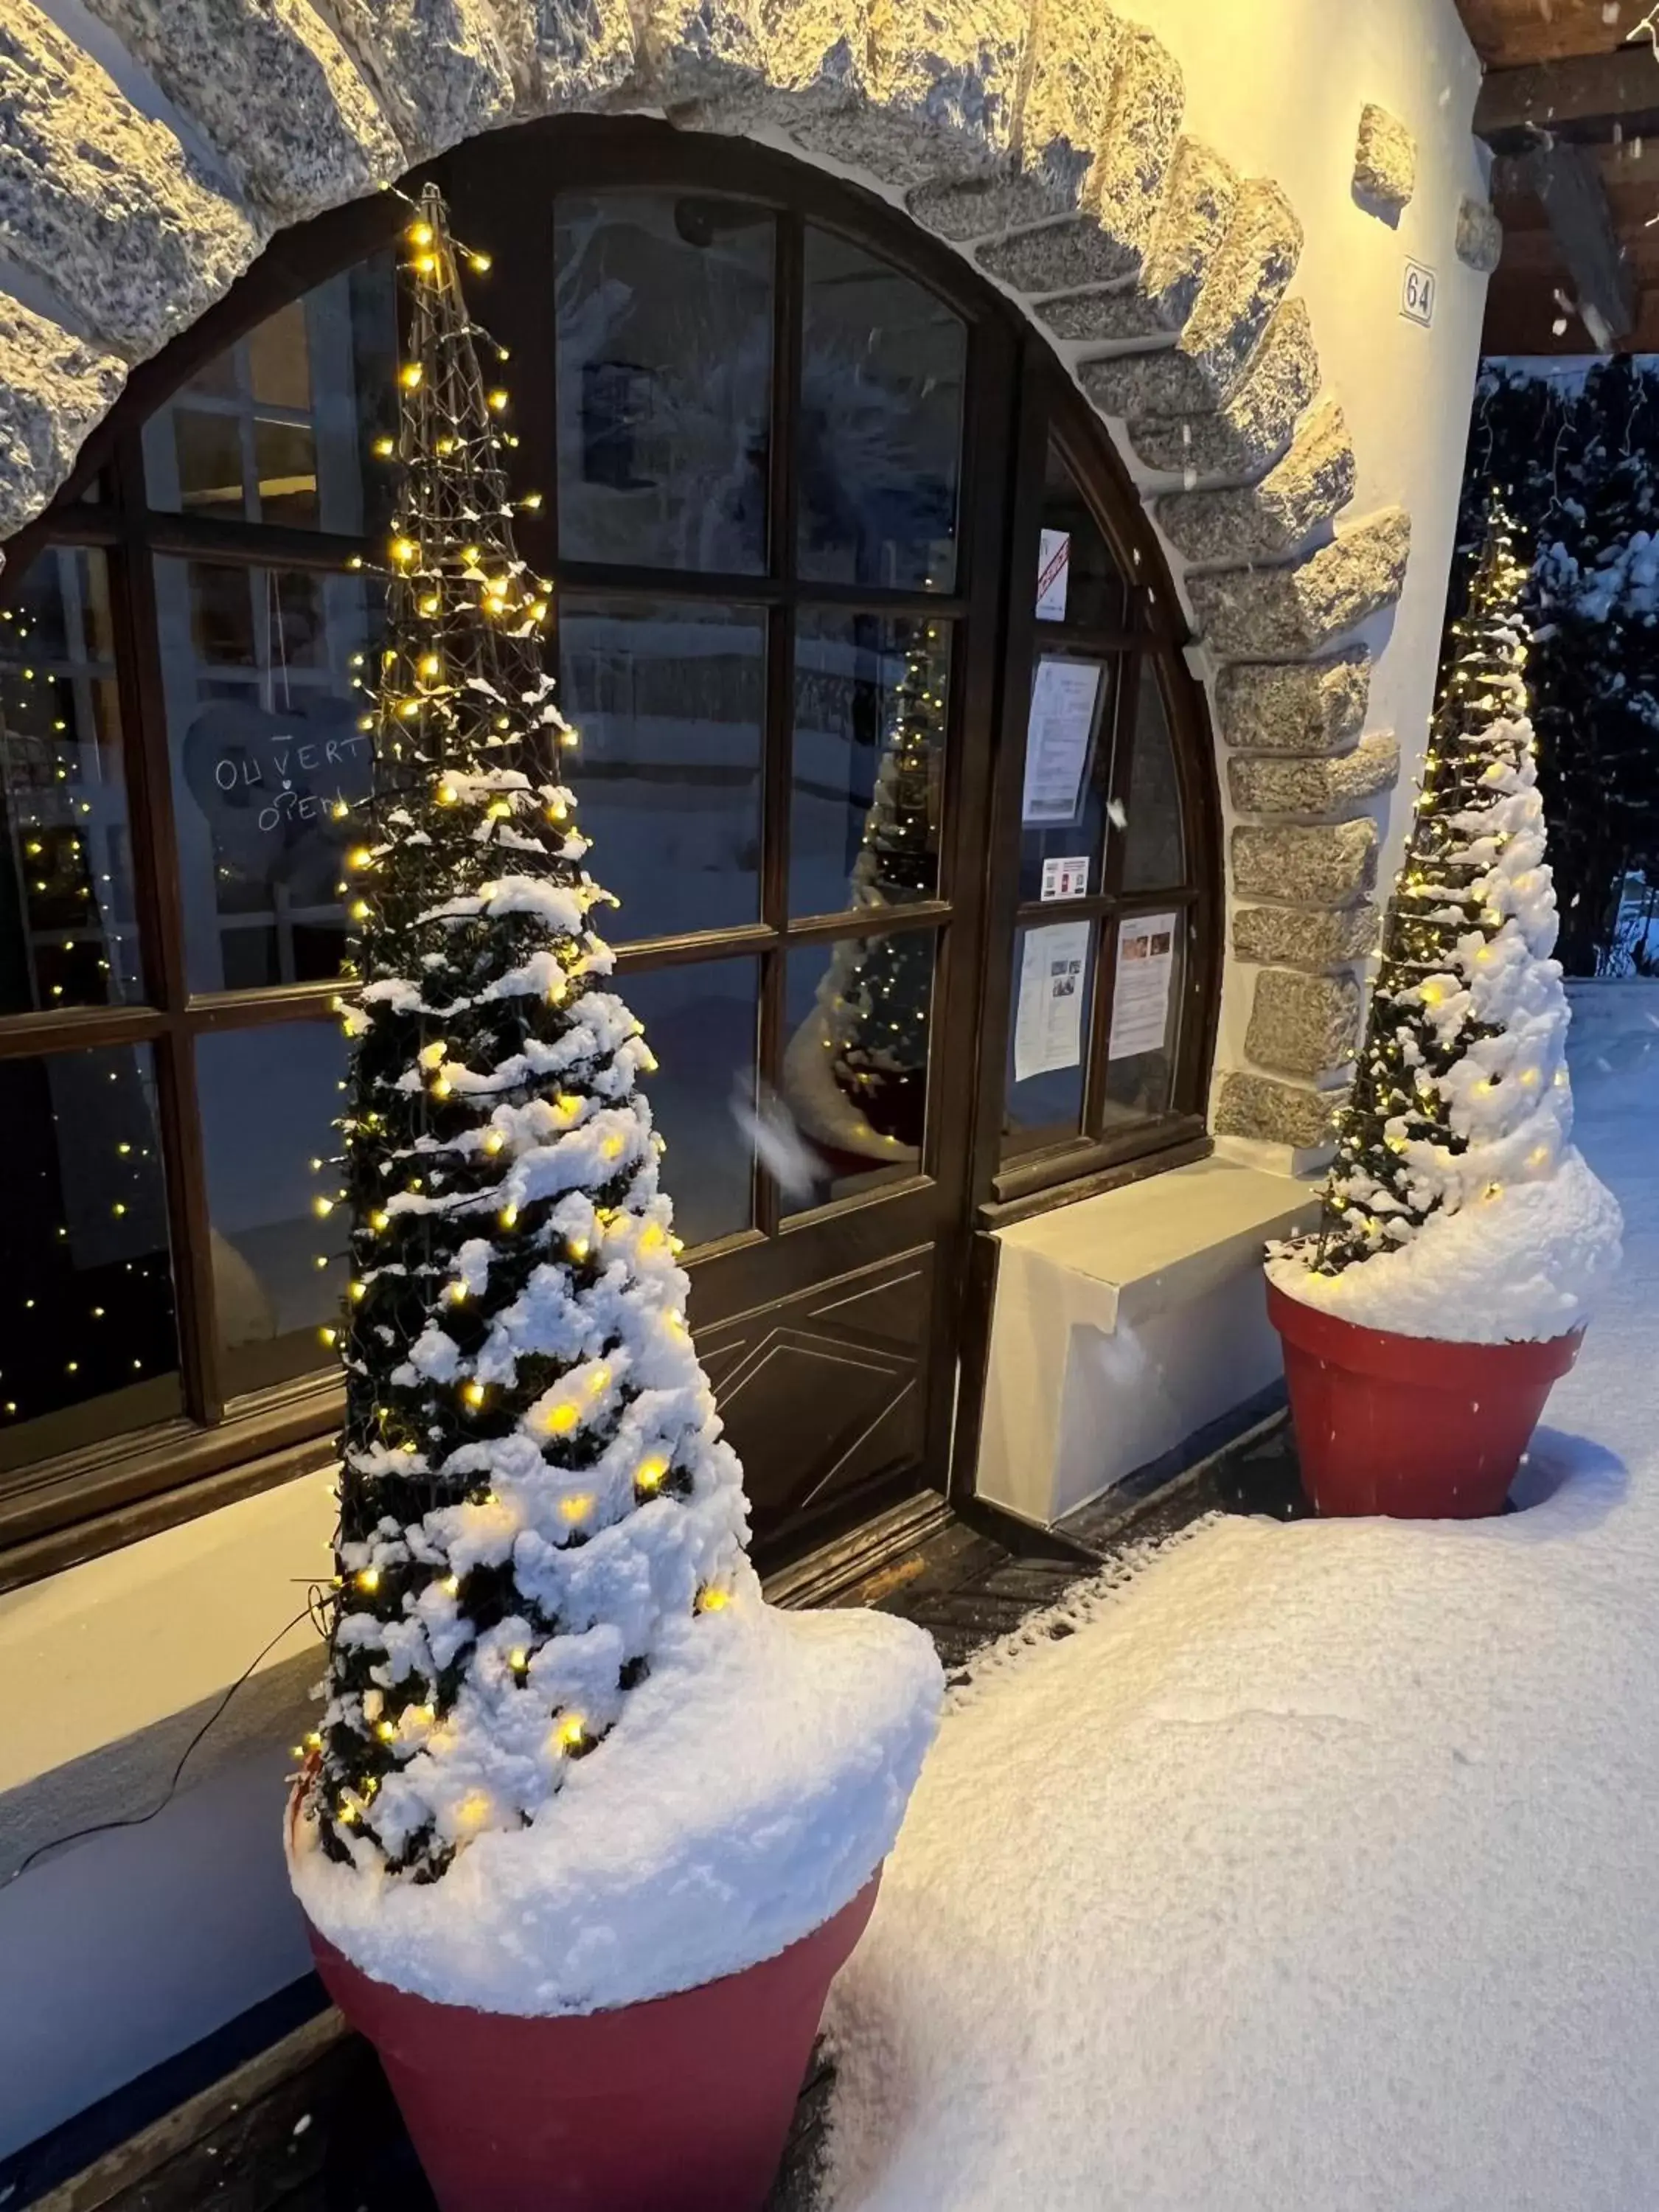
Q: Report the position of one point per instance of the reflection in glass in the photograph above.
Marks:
(701, 1020)
(269, 1098)
(872, 698)
(67, 934)
(263, 728)
(280, 427)
(855, 1065)
(880, 433)
(1145, 1017)
(663, 379)
(88, 1347)
(1152, 857)
(670, 701)
(1048, 1034)
(1068, 774)
(1080, 580)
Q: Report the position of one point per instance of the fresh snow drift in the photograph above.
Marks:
(753, 1783)
(1315, 1873)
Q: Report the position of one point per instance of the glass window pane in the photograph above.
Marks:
(87, 1345)
(269, 1098)
(1152, 855)
(1078, 579)
(701, 1020)
(67, 934)
(1048, 1035)
(285, 465)
(880, 433)
(1148, 971)
(670, 702)
(264, 726)
(1067, 779)
(663, 379)
(281, 426)
(208, 452)
(855, 1063)
(872, 698)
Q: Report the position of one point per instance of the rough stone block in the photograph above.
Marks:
(1305, 937)
(1262, 783)
(1333, 864)
(1479, 236)
(745, 61)
(1197, 208)
(443, 69)
(941, 85)
(1061, 127)
(52, 391)
(1276, 1113)
(1267, 520)
(1303, 1024)
(274, 91)
(1302, 707)
(578, 53)
(1258, 419)
(1385, 160)
(1269, 614)
(1111, 161)
(103, 203)
(1246, 280)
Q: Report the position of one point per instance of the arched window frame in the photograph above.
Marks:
(93, 1498)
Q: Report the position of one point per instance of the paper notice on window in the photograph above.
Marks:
(1053, 573)
(1064, 697)
(1141, 987)
(1066, 878)
(1048, 1020)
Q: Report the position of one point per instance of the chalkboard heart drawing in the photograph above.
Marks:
(268, 785)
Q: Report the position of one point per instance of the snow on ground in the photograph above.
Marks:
(1319, 1871)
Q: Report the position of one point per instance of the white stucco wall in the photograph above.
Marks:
(172, 1929)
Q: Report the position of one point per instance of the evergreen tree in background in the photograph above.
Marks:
(533, 1481)
(1577, 465)
(1460, 1080)
(878, 991)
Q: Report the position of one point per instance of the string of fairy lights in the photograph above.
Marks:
(1440, 906)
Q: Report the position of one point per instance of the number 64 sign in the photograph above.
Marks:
(1417, 294)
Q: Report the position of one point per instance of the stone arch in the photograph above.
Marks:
(139, 179)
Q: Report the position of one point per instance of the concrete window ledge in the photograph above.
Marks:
(1125, 1324)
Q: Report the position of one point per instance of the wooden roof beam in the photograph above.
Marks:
(1568, 179)
(1582, 98)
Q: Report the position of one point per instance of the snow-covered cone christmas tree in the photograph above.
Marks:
(541, 1545)
(1458, 1208)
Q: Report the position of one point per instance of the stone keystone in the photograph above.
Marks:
(1331, 865)
(1255, 424)
(1265, 521)
(1271, 614)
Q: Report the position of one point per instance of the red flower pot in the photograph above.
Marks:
(680, 2105)
(1410, 1425)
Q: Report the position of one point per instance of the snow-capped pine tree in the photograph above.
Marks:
(878, 991)
(1462, 1086)
(532, 1476)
